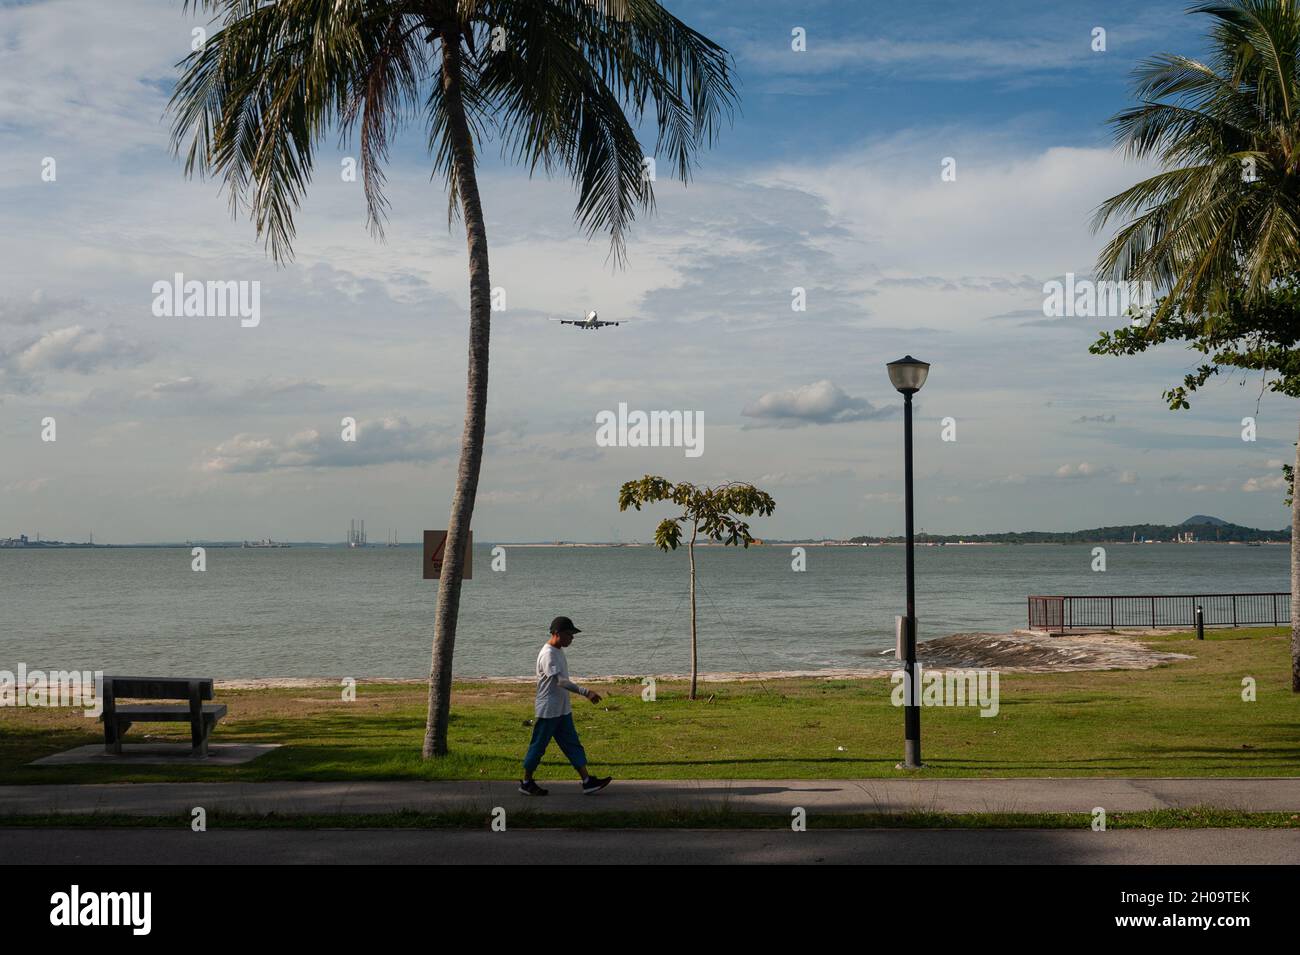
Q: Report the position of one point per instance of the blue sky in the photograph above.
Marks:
(829, 181)
(873, 69)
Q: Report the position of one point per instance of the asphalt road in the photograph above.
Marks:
(642, 847)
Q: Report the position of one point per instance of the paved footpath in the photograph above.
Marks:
(653, 846)
(1267, 794)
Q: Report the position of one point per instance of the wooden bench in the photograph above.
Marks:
(201, 716)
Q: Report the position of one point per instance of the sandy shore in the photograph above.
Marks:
(1023, 651)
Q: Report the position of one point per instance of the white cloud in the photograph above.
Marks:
(822, 402)
(509, 497)
(384, 441)
(27, 487)
(1275, 482)
(800, 478)
(1012, 219)
(924, 59)
(1081, 470)
(76, 348)
(1039, 46)
(84, 71)
(185, 385)
(113, 435)
(883, 497)
(38, 307)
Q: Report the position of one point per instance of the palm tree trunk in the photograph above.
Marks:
(471, 442)
(694, 655)
(1295, 573)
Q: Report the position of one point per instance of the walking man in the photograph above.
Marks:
(555, 713)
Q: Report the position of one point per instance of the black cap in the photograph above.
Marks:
(563, 625)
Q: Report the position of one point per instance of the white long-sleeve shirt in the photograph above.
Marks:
(553, 684)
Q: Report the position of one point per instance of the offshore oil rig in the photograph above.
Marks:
(357, 535)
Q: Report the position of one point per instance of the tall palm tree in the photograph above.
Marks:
(561, 85)
(1220, 223)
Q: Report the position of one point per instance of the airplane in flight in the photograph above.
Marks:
(591, 321)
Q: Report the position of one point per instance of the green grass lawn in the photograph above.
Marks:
(1182, 719)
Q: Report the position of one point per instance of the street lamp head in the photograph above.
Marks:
(908, 374)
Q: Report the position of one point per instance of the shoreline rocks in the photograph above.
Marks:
(1022, 651)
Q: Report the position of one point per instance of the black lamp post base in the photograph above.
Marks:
(911, 754)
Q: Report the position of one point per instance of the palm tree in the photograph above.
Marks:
(561, 85)
(1224, 212)
(1219, 226)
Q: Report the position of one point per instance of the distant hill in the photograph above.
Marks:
(1203, 528)
(1205, 519)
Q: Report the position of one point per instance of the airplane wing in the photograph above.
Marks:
(564, 321)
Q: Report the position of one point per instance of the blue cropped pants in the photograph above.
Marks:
(560, 728)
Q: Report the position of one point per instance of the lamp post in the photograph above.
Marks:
(907, 376)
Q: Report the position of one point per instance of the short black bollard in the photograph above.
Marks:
(1200, 623)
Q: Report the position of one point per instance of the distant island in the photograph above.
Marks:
(1197, 529)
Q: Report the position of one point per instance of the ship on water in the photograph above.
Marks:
(357, 535)
(266, 542)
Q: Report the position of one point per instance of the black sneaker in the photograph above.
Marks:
(594, 784)
(530, 788)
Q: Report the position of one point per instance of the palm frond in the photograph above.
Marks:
(1221, 215)
(567, 94)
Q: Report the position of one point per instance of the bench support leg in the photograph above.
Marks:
(198, 725)
(199, 738)
(114, 730)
